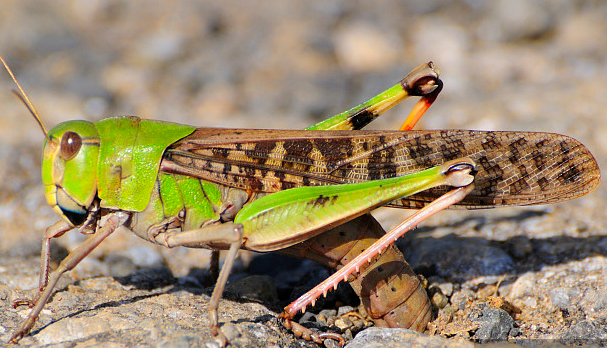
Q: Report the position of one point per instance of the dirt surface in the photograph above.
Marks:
(530, 275)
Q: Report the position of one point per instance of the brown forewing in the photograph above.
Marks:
(514, 168)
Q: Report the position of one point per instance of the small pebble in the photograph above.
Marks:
(446, 288)
(495, 325)
(345, 309)
(343, 323)
(327, 313)
(438, 299)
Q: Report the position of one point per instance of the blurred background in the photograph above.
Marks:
(507, 65)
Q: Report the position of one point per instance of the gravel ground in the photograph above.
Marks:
(530, 275)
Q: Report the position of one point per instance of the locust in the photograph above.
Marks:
(306, 193)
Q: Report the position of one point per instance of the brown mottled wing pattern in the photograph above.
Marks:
(514, 168)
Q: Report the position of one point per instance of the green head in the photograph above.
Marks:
(69, 169)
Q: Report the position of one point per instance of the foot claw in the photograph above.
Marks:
(335, 336)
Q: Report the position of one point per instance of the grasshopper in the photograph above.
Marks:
(306, 193)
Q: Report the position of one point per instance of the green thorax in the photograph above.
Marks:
(129, 159)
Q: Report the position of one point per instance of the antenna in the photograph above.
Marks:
(25, 100)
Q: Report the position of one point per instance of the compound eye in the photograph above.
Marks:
(70, 145)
